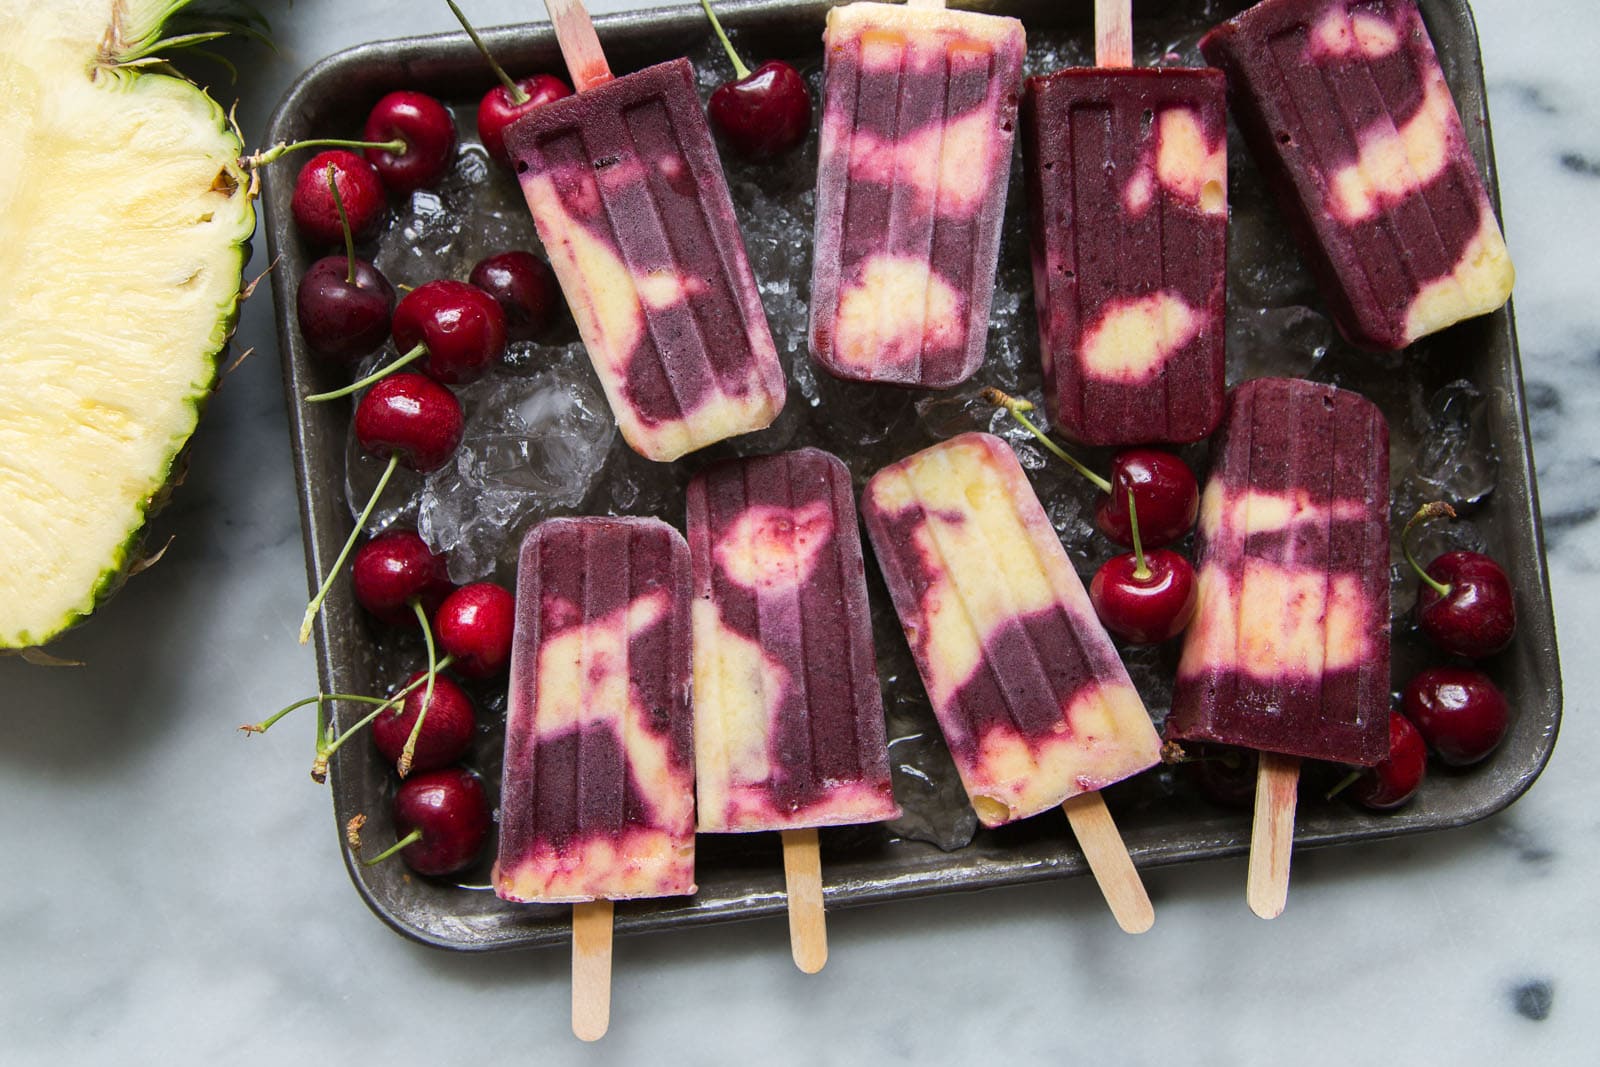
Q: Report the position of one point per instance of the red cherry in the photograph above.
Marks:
(510, 100)
(360, 189)
(762, 114)
(448, 810)
(429, 134)
(1163, 487)
(1460, 713)
(1226, 775)
(1392, 782)
(394, 569)
(342, 317)
(499, 108)
(1465, 604)
(411, 416)
(447, 728)
(461, 327)
(525, 288)
(475, 624)
(1476, 614)
(1144, 608)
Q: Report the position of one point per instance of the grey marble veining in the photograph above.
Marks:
(174, 892)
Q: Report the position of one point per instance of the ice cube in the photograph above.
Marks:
(531, 445)
(1456, 459)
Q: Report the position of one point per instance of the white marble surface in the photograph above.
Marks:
(174, 893)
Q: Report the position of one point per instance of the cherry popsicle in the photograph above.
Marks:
(629, 198)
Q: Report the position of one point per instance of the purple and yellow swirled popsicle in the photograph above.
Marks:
(1035, 705)
(918, 110)
(597, 797)
(1288, 651)
(789, 727)
(629, 198)
(1127, 186)
(1347, 112)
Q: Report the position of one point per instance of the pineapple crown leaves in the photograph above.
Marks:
(177, 25)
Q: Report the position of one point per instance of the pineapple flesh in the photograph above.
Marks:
(124, 215)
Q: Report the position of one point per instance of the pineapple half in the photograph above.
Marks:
(124, 215)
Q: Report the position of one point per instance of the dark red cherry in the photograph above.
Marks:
(462, 327)
(759, 115)
(340, 317)
(1226, 775)
(1394, 781)
(360, 189)
(449, 811)
(499, 108)
(1460, 713)
(525, 288)
(429, 134)
(762, 114)
(412, 416)
(1165, 489)
(510, 100)
(475, 625)
(394, 569)
(1475, 615)
(447, 728)
(1148, 606)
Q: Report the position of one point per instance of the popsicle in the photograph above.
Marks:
(918, 107)
(1288, 651)
(597, 796)
(629, 198)
(1347, 112)
(1127, 174)
(789, 728)
(1034, 704)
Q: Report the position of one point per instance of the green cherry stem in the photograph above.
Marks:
(1344, 783)
(517, 94)
(1016, 407)
(1436, 510)
(739, 69)
(408, 752)
(382, 372)
(344, 227)
(328, 745)
(1141, 570)
(344, 553)
(277, 151)
(410, 839)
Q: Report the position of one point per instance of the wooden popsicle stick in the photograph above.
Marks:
(1108, 858)
(586, 62)
(591, 969)
(802, 874)
(1272, 834)
(1113, 33)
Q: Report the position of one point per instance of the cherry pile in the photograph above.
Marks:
(1466, 609)
(447, 332)
(1151, 500)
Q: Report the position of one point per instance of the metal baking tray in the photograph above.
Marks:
(741, 877)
